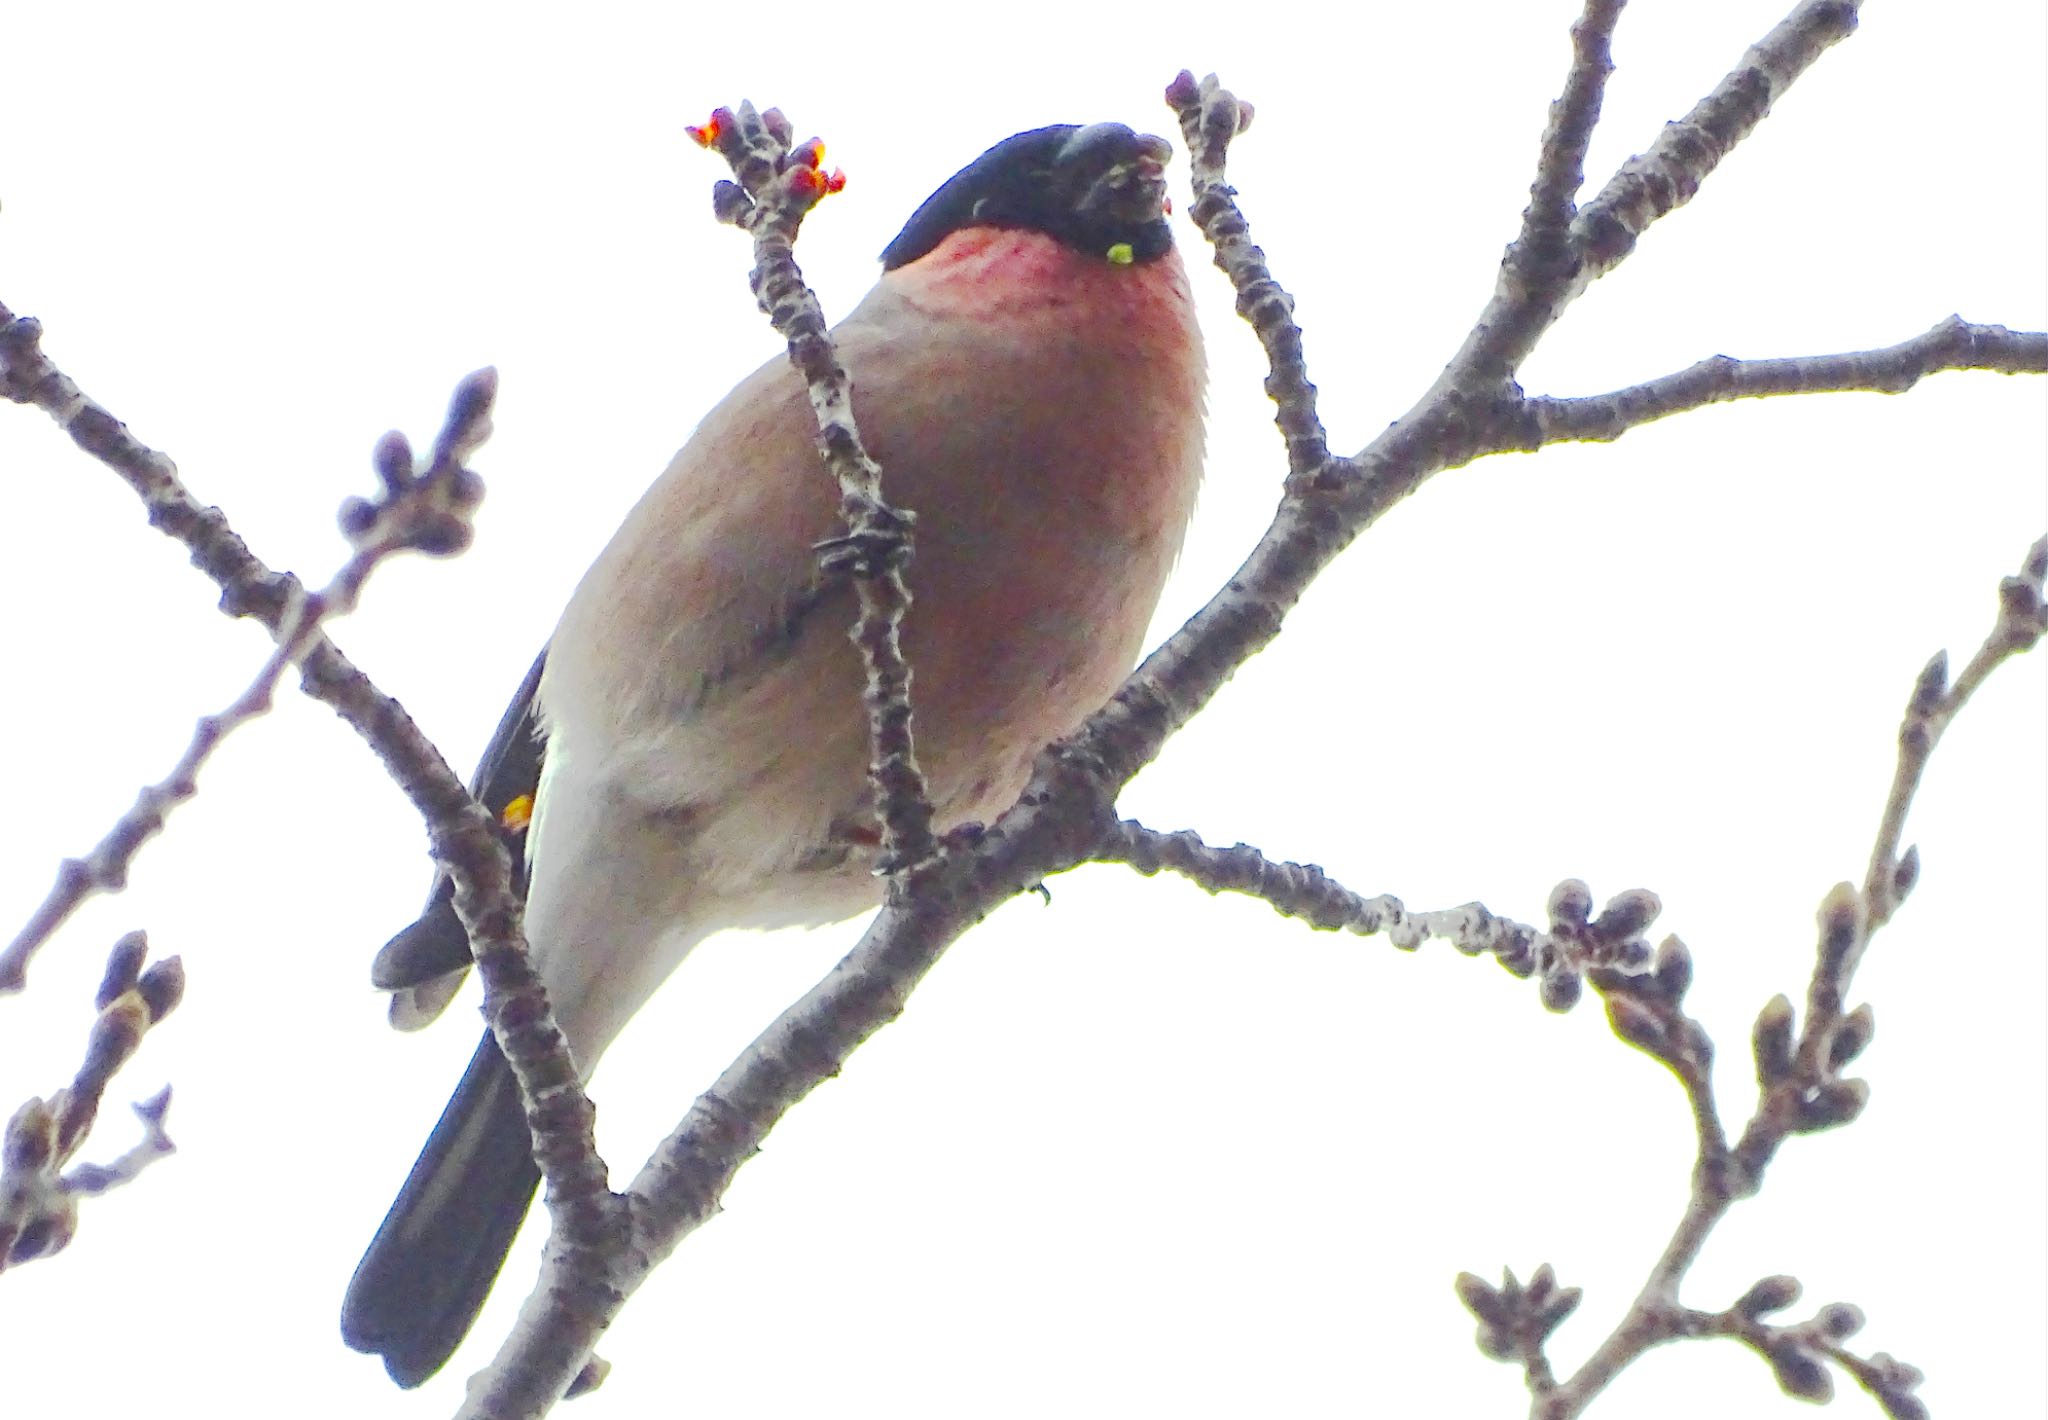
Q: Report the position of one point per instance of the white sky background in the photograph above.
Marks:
(1138, 1152)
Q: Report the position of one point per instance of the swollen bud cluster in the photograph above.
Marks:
(1807, 1073)
(1608, 945)
(38, 1199)
(430, 511)
(1798, 1353)
(1515, 1320)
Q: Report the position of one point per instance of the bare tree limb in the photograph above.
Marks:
(248, 588)
(463, 835)
(605, 1243)
(1460, 417)
(1953, 344)
(1305, 892)
(429, 512)
(1561, 164)
(1667, 174)
(1799, 1076)
(1063, 817)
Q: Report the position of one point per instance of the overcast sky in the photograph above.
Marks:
(1139, 1151)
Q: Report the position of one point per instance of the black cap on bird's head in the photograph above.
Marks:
(1099, 189)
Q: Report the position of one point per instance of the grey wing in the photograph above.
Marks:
(423, 965)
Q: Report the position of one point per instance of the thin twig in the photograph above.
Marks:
(1305, 892)
(1469, 411)
(778, 184)
(421, 511)
(27, 376)
(463, 835)
(547, 1353)
(38, 1199)
(1210, 117)
(1561, 160)
(1953, 344)
(1803, 1091)
(2019, 628)
(1667, 174)
(1797, 1351)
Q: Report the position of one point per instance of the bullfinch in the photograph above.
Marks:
(1029, 374)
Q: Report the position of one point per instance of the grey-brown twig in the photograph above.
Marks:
(1799, 1075)
(547, 1354)
(1667, 174)
(1797, 1351)
(1561, 157)
(1471, 410)
(27, 376)
(1210, 117)
(779, 182)
(38, 1198)
(1577, 941)
(426, 512)
(1953, 344)
(463, 834)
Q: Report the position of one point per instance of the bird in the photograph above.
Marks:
(1029, 373)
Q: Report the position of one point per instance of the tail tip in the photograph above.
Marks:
(409, 1364)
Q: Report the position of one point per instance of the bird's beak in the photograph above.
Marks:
(1114, 174)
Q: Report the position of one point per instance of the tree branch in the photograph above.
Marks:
(463, 835)
(1953, 344)
(605, 1243)
(38, 1199)
(547, 1354)
(1799, 1076)
(429, 512)
(779, 183)
(1667, 174)
(1063, 817)
(1210, 117)
(1467, 412)
(1561, 156)
(1306, 893)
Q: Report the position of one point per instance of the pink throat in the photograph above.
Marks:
(987, 270)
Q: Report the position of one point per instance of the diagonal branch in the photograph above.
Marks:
(1667, 174)
(1799, 1073)
(1063, 816)
(1465, 413)
(27, 376)
(429, 512)
(463, 834)
(1532, 292)
(2022, 621)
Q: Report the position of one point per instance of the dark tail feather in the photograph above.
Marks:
(423, 1280)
